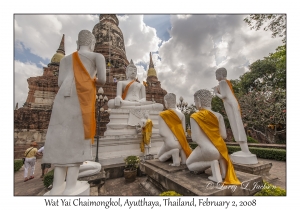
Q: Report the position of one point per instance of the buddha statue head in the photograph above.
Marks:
(202, 98)
(131, 71)
(170, 100)
(86, 38)
(221, 74)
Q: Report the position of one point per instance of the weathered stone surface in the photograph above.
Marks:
(110, 43)
(114, 170)
(42, 89)
(260, 168)
(190, 184)
(32, 119)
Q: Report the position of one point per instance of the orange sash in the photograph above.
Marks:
(86, 91)
(126, 89)
(209, 124)
(146, 132)
(175, 125)
(230, 86)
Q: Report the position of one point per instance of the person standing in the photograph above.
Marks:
(44, 166)
(30, 160)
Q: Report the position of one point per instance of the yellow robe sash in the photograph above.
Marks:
(86, 91)
(209, 124)
(230, 86)
(146, 132)
(126, 89)
(175, 125)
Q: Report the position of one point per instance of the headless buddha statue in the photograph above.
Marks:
(132, 94)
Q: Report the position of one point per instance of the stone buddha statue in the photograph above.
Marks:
(209, 132)
(132, 94)
(225, 92)
(72, 124)
(172, 129)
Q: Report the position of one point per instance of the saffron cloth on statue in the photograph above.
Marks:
(171, 127)
(175, 125)
(208, 131)
(209, 124)
(146, 134)
(72, 124)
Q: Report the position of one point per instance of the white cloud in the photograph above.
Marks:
(42, 64)
(199, 44)
(23, 71)
(42, 33)
(139, 38)
(141, 73)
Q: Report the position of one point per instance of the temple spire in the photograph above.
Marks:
(151, 62)
(151, 70)
(61, 48)
(60, 53)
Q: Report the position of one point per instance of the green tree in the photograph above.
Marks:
(279, 58)
(275, 23)
(268, 72)
(188, 112)
(264, 111)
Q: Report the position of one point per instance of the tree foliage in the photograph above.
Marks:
(269, 72)
(188, 112)
(265, 111)
(275, 23)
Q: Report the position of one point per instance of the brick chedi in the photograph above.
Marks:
(154, 92)
(110, 43)
(42, 91)
(31, 121)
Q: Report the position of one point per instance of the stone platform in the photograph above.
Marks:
(163, 177)
(82, 189)
(262, 168)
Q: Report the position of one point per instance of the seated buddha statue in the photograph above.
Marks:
(132, 94)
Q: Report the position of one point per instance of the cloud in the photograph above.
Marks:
(199, 44)
(139, 38)
(22, 72)
(141, 73)
(42, 33)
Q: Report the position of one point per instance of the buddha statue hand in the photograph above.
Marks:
(216, 89)
(118, 100)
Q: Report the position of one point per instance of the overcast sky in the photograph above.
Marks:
(187, 49)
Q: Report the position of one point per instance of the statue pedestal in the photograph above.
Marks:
(242, 158)
(123, 121)
(114, 149)
(82, 188)
(121, 139)
(262, 168)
